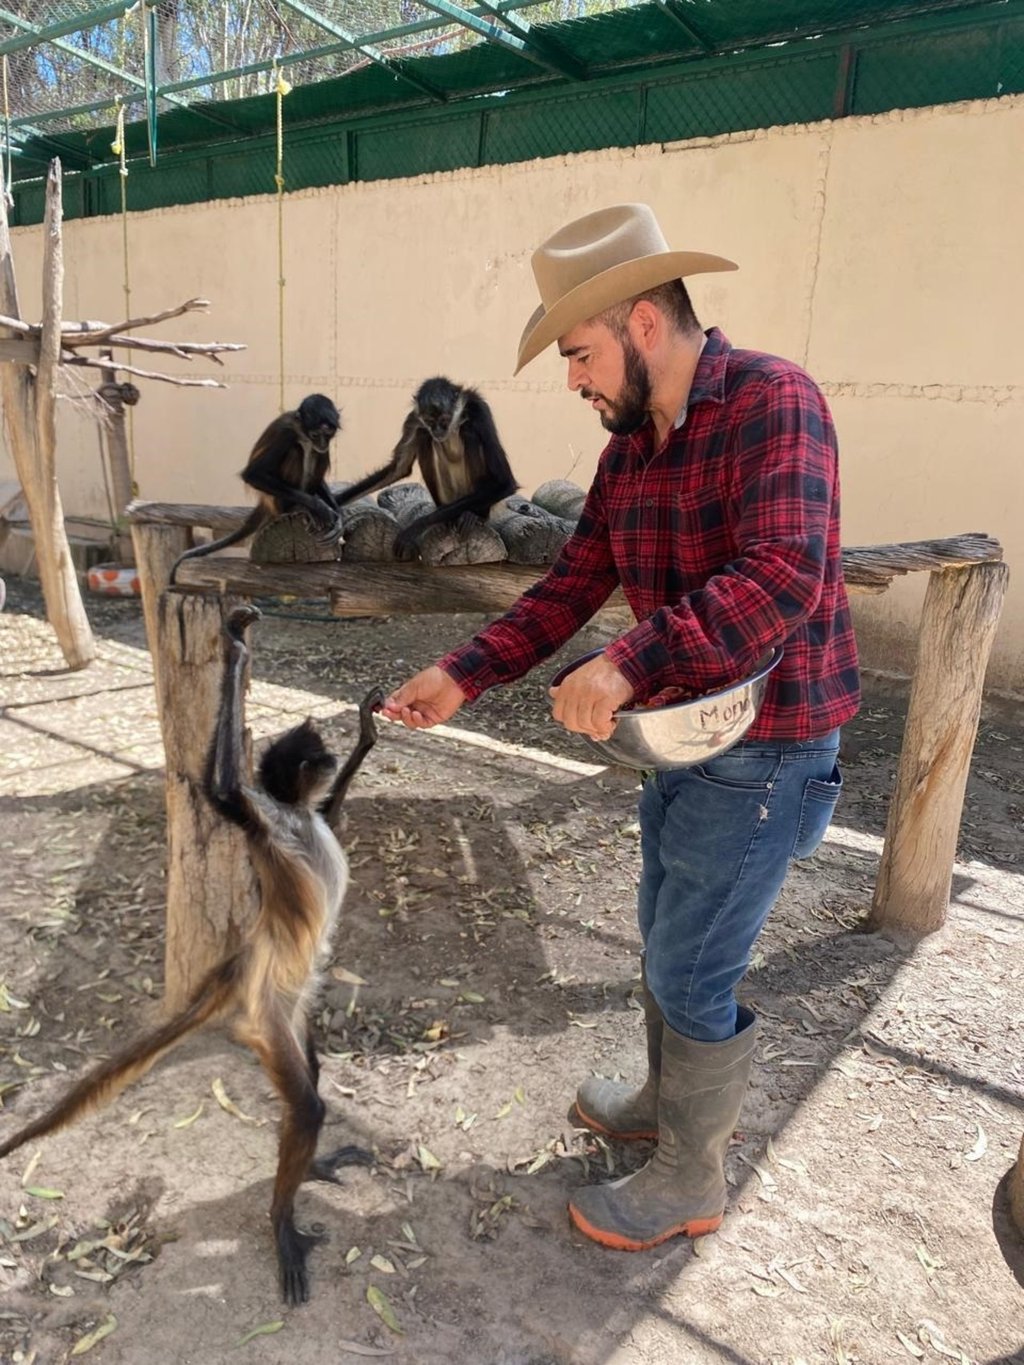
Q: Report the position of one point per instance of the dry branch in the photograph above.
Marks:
(81, 360)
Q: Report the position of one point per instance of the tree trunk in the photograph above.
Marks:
(958, 625)
(28, 404)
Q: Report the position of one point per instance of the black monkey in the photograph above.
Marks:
(450, 431)
(288, 468)
(264, 988)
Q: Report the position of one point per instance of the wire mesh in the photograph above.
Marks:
(392, 88)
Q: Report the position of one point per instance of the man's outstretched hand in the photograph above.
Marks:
(430, 698)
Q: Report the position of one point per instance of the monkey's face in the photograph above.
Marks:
(438, 406)
(298, 768)
(320, 420)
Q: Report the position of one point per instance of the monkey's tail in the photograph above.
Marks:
(249, 527)
(107, 1080)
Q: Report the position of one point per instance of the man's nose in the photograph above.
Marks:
(576, 379)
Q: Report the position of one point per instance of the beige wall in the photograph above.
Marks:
(881, 252)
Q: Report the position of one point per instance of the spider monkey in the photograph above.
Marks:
(450, 431)
(288, 468)
(265, 987)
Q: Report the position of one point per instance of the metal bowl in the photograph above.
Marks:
(684, 732)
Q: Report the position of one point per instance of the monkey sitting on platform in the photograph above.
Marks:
(265, 987)
(450, 431)
(288, 468)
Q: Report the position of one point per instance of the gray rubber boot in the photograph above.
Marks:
(619, 1110)
(681, 1190)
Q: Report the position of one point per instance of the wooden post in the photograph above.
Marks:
(212, 890)
(121, 488)
(958, 625)
(28, 403)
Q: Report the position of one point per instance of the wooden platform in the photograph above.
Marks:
(210, 885)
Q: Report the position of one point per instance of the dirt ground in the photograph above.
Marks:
(486, 963)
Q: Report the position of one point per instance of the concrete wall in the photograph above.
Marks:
(881, 252)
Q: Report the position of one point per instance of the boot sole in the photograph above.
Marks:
(617, 1241)
(640, 1135)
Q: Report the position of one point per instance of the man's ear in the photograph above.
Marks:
(646, 324)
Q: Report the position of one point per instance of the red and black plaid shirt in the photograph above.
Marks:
(725, 543)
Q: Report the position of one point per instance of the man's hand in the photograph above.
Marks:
(425, 700)
(588, 698)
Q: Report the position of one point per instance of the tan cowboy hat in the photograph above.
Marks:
(599, 260)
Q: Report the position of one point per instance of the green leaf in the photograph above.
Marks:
(90, 1339)
(265, 1329)
(381, 1305)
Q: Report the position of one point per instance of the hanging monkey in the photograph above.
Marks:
(288, 468)
(450, 431)
(265, 987)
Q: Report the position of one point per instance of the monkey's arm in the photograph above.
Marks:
(373, 701)
(223, 781)
(263, 472)
(398, 467)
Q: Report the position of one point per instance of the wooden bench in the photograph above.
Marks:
(210, 883)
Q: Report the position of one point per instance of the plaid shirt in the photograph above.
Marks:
(725, 542)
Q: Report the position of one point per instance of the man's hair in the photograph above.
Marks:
(671, 299)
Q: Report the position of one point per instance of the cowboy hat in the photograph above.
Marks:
(599, 260)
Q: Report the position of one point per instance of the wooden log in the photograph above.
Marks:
(28, 406)
(394, 589)
(1017, 1191)
(370, 533)
(212, 891)
(958, 624)
(291, 539)
(561, 498)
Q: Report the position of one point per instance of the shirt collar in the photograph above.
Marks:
(681, 414)
(709, 377)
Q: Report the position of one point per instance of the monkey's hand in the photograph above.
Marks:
(370, 704)
(239, 622)
(406, 546)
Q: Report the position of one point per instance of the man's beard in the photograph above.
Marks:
(631, 409)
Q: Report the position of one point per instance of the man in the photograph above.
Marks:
(715, 507)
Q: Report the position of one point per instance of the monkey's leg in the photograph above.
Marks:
(326, 1167)
(285, 1062)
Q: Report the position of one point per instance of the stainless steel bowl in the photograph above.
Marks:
(685, 732)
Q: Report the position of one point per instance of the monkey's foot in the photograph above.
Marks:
(240, 620)
(326, 1167)
(293, 1248)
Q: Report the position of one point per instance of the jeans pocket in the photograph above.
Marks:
(816, 809)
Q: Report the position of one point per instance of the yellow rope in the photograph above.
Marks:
(282, 88)
(118, 148)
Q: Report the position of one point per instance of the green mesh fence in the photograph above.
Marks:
(331, 138)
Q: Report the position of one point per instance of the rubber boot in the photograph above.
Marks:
(619, 1110)
(681, 1190)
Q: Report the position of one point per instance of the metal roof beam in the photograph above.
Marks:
(670, 8)
(34, 35)
(486, 28)
(396, 67)
(545, 50)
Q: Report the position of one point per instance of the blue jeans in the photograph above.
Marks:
(716, 841)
